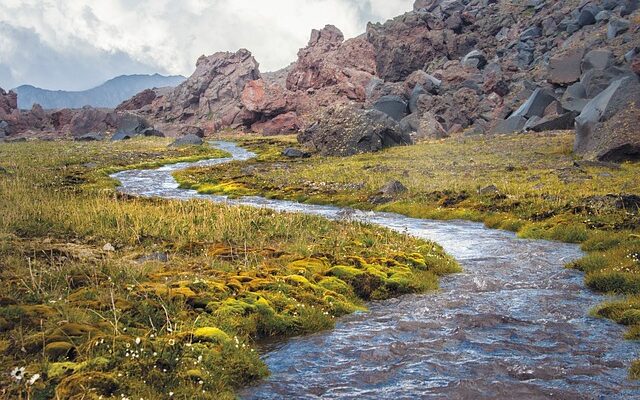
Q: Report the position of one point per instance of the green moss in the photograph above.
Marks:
(210, 334)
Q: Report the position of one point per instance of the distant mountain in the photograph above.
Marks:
(107, 95)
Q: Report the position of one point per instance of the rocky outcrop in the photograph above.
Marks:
(212, 93)
(87, 120)
(330, 70)
(345, 131)
(9, 113)
(139, 101)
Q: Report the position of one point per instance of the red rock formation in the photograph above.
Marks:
(330, 70)
(268, 100)
(282, 124)
(212, 93)
(139, 101)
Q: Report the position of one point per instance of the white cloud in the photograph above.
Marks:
(162, 35)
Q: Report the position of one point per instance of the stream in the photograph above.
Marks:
(514, 324)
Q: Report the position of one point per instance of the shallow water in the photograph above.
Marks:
(513, 325)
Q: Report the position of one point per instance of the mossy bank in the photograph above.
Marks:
(106, 296)
(530, 184)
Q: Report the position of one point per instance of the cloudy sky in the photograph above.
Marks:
(78, 44)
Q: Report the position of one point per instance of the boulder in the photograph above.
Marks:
(295, 153)
(596, 80)
(187, 140)
(90, 137)
(280, 125)
(617, 139)
(616, 26)
(393, 106)
(586, 17)
(510, 125)
(268, 100)
(345, 131)
(392, 188)
(566, 68)
(430, 128)
(536, 104)
(417, 91)
(597, 59)
(553, 123)
(119, 136)
(618, 95)
(4, 128)
(474, 59)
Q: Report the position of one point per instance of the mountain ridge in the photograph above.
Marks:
(107, 95)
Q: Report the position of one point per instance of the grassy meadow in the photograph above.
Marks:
(530, 184)
(106, 296)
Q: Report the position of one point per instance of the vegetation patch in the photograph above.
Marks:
(105, 296)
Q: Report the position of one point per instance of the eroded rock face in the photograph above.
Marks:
(345, 131)
(330, 70)
(213, 92)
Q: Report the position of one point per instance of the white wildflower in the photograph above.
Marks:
(17, 374)
(34, 378)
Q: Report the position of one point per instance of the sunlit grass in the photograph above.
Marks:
(88, 304)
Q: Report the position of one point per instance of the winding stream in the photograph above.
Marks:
(513, 325)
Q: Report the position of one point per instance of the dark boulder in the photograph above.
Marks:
(535, 104)
(553, 123)
(474, 59)
(597, 59)
(596, 80)
(90, 137)
(118, 136)
(510, 125)
(417, 91)
(345, 131)
(4, 128)
(575, 98)
(614, 98)
(187, 140)
(566, 68)
(131, 123)
(586, 17)
(394, 106)
(295, 153)
(616, 27)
